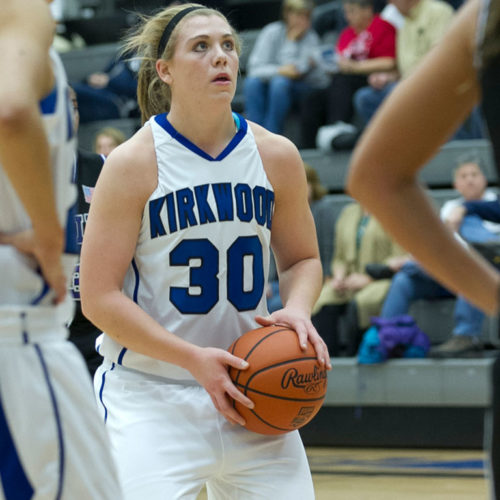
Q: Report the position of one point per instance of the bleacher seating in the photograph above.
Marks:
(332, 167)
(80, 63)
(421, 403)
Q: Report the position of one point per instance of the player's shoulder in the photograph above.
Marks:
(134, 161)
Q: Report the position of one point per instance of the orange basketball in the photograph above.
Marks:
(286, 383)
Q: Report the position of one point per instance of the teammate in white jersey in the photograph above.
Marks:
(174, 268)
(52, 443)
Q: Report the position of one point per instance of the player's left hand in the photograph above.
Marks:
(305, 331)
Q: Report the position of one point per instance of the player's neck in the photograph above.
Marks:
(209, 131)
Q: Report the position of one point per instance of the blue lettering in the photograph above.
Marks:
(189, 207)
(80, 227)
(204, 211)
(223, 200)
(259, 199)
(155, 223)
(185, 206)
(172, 222)
(269, 208)
(243, 199)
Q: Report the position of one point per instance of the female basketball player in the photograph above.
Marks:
(52, 444)
(174, 268)
(420, 115)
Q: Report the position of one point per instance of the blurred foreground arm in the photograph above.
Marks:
(420, 115)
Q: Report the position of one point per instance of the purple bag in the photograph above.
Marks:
(398, 337)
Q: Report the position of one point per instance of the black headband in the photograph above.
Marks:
(171, 26)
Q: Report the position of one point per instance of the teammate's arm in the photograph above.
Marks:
(293, 239)
(26, 33)
(419, 116)
(111, 234)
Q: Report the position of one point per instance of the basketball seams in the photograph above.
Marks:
(249, 353)
(284, 398)
(257, 344)
(283, 429)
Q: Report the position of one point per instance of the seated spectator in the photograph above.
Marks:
(351, 293)
(280, 67)
(367, 45)
(109, 94)
(412, 282)
(316, 192)
(425, 23)
(107, 139)
(391, 14)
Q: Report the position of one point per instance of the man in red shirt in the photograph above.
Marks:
(368, 44)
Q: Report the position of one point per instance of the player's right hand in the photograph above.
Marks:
(210, 369)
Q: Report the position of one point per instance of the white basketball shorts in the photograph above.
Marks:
(52, 442)
(168, 440)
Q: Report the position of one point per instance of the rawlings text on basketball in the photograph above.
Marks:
(311, 382)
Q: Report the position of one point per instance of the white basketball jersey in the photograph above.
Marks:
(21, 283)
(202, 259)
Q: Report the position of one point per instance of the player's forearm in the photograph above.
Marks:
(25, 157)
(300, 285)
(124, 321)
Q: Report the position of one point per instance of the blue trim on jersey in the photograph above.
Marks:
(48, 103)
(137, 280)
(101, 390)
(120, 356)
(241, 126)
(15, 483)
(44, 292)
(57, 416)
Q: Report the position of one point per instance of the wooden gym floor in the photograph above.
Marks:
(390, 474)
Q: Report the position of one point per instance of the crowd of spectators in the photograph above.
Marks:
(333, 87)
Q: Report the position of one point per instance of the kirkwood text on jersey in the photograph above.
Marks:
(208, 203)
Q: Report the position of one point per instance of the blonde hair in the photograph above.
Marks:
(153, 95)
(318, 190)
(288, 6)
(114, 133)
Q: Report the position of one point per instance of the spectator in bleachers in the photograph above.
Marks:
(365, 46)
(110, 94)
(391, 14)
(426, 21)
(412, 282)
(107, 139)
(315, 193)
(351, 294)
(280, 67)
